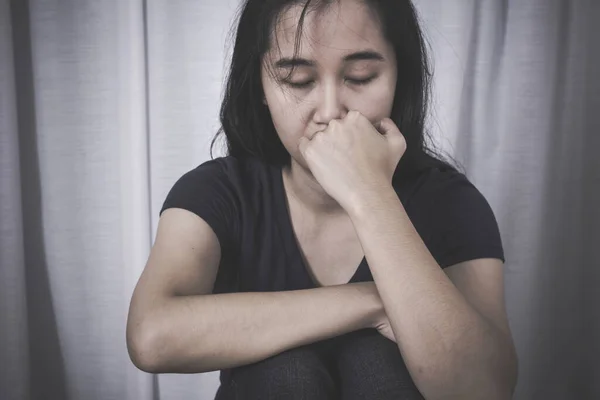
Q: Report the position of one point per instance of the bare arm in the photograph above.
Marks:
(451, 325)
(176, 326)
(207, 333)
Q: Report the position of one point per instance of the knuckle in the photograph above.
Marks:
(353, 114)
(334, 123)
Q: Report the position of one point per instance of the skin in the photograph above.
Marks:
(332, 91)
(455, 340)
(450, 325)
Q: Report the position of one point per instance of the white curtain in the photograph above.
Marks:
(104, 104)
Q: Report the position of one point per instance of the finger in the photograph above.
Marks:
(389, 130)
(392, 134)
(317, 133)
(353, 114)
(333, 125)
(387, 127)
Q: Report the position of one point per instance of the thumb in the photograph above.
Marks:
(388, 127)
(390, 131)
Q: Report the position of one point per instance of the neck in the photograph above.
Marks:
(302, 187)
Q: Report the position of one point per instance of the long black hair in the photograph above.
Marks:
(246, 120)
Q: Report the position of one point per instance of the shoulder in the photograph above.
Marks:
(453, 217)
(218, 191)
(434, 185)
(224, 173)
(425, 185)
(201, 182)
(222, 184)
(228, 166)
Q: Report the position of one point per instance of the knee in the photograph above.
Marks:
(297, 373)
(367, 350)
(368, 345)
(371, 366)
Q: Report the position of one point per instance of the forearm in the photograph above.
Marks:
(195, 334)
(449, 348)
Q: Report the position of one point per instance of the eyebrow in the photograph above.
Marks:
(287, 62)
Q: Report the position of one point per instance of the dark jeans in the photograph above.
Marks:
(359, 365)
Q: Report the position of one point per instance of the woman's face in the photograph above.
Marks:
(344, 63)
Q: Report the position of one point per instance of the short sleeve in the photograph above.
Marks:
(207, 192)
(454, 219)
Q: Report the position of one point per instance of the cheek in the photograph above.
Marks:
(376, 102)
(288, 112)
(282, 115)
(289, 118)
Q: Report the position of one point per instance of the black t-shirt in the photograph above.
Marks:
(244, 202)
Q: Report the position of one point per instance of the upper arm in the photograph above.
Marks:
(481, 282)
(185, 257)
(459, 228)
(455, 220)
(184, 260)
(196, 221)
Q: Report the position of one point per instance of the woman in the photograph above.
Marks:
(330, 254)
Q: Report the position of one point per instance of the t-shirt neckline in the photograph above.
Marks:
(290, 240)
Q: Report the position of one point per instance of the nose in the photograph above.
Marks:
(330, 104)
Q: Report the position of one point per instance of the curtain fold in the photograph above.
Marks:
(103, 105)
(14, 351)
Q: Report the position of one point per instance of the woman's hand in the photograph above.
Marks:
(352, 159)
(378, 319)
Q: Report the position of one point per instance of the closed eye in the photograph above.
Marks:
(304, 85)
(299, 85)
(360, 81)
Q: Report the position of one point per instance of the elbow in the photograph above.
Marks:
(491, 381)
(511, 371)
(142, 349)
